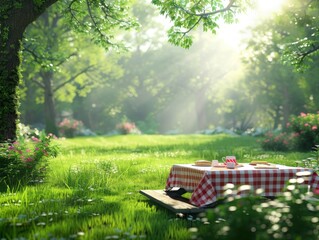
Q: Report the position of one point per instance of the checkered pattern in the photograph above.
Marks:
(185, 176)
(207, 184)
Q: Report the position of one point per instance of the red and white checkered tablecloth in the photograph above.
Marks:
(207, 184)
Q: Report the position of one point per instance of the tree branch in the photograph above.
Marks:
(204, 14)
(73, 77)
(41, 85)
(303, 55)
(72, 12)
(192, 27)
(96, 24)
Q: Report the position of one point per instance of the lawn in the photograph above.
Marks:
(92, 187)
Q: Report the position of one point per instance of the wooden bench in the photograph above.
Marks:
(173, 204)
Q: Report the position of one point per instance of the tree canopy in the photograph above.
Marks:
(100, 20)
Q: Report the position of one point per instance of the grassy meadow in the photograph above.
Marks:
(92, 187)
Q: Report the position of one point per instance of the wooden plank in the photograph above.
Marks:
(175, 205)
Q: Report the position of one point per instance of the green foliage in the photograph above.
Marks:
(306, 130)
(100, 20)
(312, 161)
(189, 15)
(279, 141)
(149, 126)
(25, 160)
(271, 84)
(292, 216)
(299, 20)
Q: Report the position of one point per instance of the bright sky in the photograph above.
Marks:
(269, 6)
(233, 32)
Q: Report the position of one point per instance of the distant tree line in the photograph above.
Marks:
(157, 86)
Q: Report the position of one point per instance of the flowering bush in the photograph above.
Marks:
(69, 127)
(305, 128)
(277, 141)
(25, 160)
(127, 128)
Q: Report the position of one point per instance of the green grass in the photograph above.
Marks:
(92, 187)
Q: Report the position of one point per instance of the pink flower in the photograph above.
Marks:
(29, 159)
(296, 134)
(306, 124)
(35, 139)
(314, 128)
(302, 114)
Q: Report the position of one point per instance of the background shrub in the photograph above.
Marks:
(277, 141)
(127, 128)
(305, 129)
(70, 127)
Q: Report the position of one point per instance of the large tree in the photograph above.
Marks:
(98, 18)
(60, 64)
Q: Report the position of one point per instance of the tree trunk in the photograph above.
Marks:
(276, 118)
(9, 81)
(286, 107)
(49, 106)
(200, 104)
(15, 17)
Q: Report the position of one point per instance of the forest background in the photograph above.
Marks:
(162, 88)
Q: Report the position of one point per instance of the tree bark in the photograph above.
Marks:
(15, 17)
(49, 105)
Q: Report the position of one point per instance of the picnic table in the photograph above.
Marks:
(207, 183)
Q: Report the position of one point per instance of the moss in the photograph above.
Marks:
(9, 76)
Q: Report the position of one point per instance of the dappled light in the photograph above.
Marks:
(159, 119)
(232, 81)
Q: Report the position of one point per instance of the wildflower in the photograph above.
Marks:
(35, 139)
(302, 114)
(306, 124)
(314, 128)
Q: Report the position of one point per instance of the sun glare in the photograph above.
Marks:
(263, 9)
(269, 6)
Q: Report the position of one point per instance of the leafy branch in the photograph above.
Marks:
(71, 79)
(230, 5)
